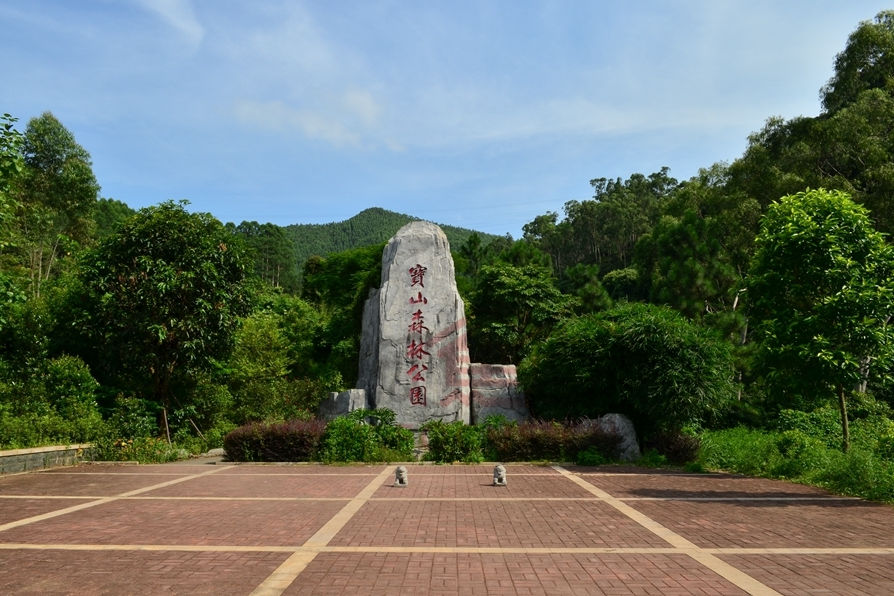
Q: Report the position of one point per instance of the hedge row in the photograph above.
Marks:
(372, 435)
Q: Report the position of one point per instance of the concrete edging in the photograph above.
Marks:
(16, 461)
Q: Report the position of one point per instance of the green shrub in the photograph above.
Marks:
(453, 441)
(539, 440)
(590, 456)
(146, 450)
(801, 455)
(644, 361)
(741, 450)
(296, 440)
(859, 473)
(823, 423)
(132, 417)
(367, 435)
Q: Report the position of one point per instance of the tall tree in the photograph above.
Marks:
(867, 62)
(168, 289)
(57, 195)
(822, 293)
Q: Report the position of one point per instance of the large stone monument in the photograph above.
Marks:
(414, 358)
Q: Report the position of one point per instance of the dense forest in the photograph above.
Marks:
(756, 295)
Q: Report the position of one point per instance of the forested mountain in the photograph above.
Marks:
(371, 226)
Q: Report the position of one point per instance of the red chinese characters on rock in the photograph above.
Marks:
(416, 330)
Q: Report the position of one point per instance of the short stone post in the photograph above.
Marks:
(499, 475)
(400, 476)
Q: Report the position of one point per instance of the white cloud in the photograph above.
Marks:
(180, 15)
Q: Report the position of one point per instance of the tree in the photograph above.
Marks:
(273, 251)
(57, 193)
(867, 62)
(513, 307)
(820, 290)
(168, 289)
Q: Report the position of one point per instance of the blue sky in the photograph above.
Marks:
(482, 114)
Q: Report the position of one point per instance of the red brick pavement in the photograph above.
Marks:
(311, 529)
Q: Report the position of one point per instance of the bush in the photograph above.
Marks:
(539, 440)
(644, 361)
(823, 424)
(677, 447)
(859, 473)
(453, 441)
(296, 440)
(367, 435)
(146, 450)
(796, 455)
(741, 450)
(801, 455)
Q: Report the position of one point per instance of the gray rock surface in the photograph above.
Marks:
(413, 353)
(339, 404)
(628, 449)
(495, 391)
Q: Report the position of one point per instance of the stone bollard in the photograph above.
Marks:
(499, 475)
(400, 476)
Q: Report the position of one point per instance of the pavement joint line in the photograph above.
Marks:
(486, 550)
(283, 576)
(712, 562)
(102, 501)
(427, 499)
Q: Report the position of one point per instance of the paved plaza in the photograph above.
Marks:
(219, 528)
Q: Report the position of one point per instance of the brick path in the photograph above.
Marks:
(309, 529)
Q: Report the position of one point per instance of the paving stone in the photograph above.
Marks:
(172, 522)
(273, 486)
(529, 524)
(463, 573)
(856, 575)
(224, 529)
(13, 509)
(52, 572)
(824, 523)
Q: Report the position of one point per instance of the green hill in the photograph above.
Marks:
(371, 226)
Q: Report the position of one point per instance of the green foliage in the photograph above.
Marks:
(56, 193)
(604, 230)
(623, 284)
(272, 249)
(453, 441)
(145, 450)
(798, 456)
(676, 446)
(511, 308)
(867, 62)
(366, 435)
(132, 417)
(340, 284)
(168, 289)
(109, 216)
(820, 291)
(591, 456)
(741, 450)
(644, 361)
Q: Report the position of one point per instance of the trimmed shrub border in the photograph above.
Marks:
(15, 461)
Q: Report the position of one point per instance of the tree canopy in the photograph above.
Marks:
(821, 289)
